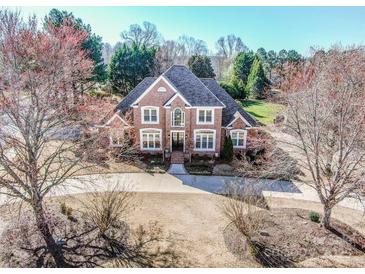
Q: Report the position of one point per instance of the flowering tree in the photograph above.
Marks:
(327, 117)
(41, 72)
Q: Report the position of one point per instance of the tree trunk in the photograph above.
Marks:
(326, 216)
(43, 227)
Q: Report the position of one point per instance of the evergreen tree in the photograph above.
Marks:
(129, 66)
(242, 65)
(93, 44)
(201, 66)
(256, 80)
(241, 69)
(227, 151)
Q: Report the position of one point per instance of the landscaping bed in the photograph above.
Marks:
(292, 234)
(200, 165)
(155, 164)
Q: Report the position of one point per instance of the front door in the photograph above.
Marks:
(177, 140)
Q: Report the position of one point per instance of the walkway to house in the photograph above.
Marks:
(177, 169)
(177, 157)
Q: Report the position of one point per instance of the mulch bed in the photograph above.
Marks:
(292, 234)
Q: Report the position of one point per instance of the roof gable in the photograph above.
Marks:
(177, 95)
(191, 87)
(133, 95)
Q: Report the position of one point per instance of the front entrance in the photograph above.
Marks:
(177, 140)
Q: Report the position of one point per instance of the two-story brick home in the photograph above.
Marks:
(179, 112)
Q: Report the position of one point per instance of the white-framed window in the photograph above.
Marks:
(204, 139)
(150, 139)
(117, 137)
(161, 89)
(238, 137)
(150, 115)
(178, 118)
(205, 116)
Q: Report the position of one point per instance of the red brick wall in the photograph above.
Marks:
(153, 98)
(217, 126)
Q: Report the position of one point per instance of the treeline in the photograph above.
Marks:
(142, 51)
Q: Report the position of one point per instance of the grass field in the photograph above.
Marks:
(263, 111)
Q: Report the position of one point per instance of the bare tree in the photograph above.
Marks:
(145, 35)
(96, 234)
(107, 53)
(230, 46)
(41, 71)
(327, 117)
(191, 46)
(168, 54)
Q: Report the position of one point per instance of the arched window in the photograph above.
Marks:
(161, 89)
(178, 118)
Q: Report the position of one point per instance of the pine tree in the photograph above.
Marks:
(129, 66)
(256, 80)
(201, 66)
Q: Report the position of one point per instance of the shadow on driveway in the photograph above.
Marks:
(217, 184)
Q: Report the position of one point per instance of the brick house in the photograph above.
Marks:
(179, 112)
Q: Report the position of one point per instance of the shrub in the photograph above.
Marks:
(227, 152)
(63, 208)
(69, 212)
(314, 216)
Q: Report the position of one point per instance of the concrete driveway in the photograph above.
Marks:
(167, 183)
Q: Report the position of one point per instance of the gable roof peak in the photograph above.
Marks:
(191, 87)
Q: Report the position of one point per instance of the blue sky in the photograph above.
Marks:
(269, 27)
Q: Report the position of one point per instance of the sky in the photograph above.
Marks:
(273, 28)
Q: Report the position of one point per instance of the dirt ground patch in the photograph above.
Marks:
(291, 232)
(110, 166)
(291, 237)
(196, 224)
(194, 221)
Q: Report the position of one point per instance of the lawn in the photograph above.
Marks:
(264, 111)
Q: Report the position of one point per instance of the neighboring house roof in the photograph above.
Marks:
(132, 96)
(190, 86)
(231, 105)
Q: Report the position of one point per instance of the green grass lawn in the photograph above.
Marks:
(263, 111)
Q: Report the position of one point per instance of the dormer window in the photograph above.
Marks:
(178, 118)
(150, 115)
(161, 89)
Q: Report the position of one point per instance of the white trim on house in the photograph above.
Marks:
(166, 105)
(171, 131)
(196, 131)
(152, 86)
(237, 116)
(111, 133)
(115, 115)
(142, 130)
(244, 131)
(205, 109)
(173, 117)
(150, 108)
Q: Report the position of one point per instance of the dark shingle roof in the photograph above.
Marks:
(125, 104)
(190, 86)
(231, 104)
(198, 92)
